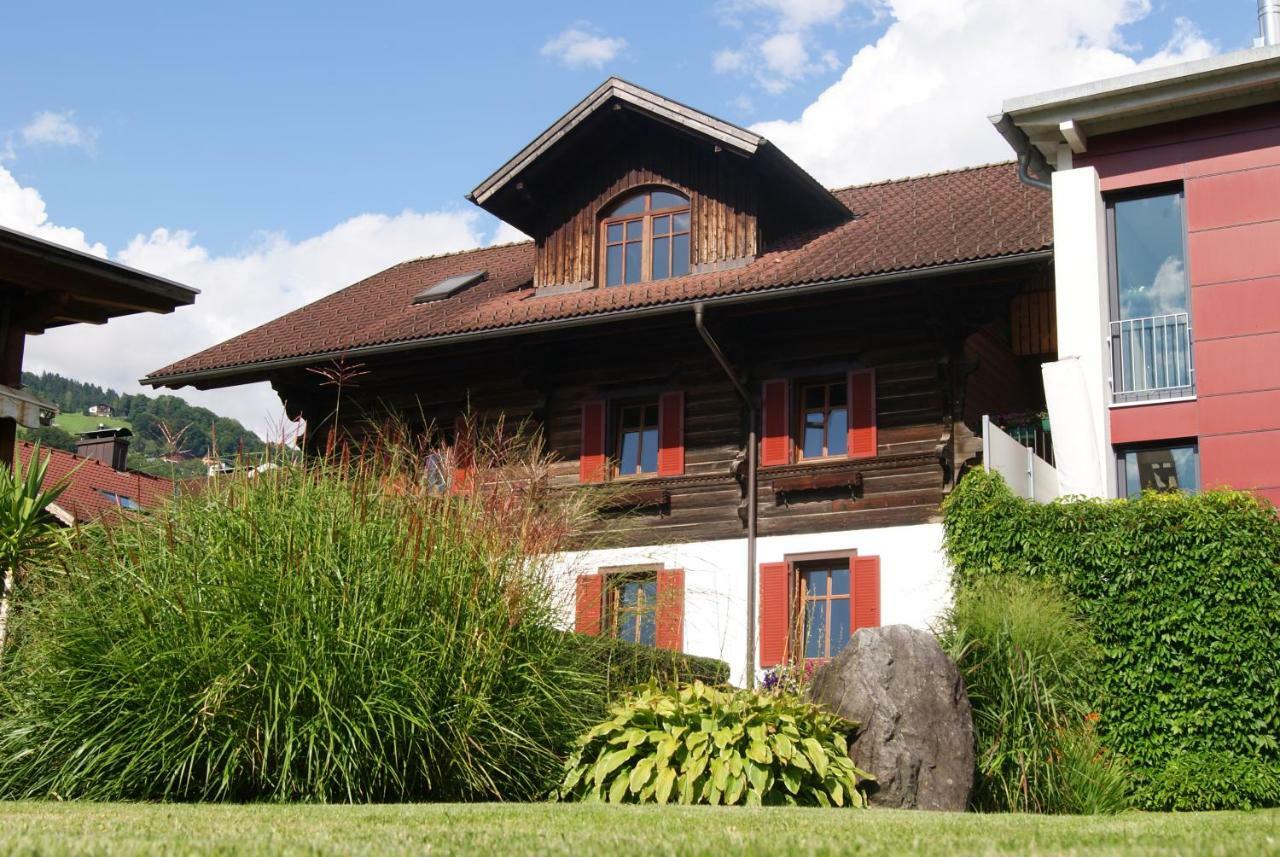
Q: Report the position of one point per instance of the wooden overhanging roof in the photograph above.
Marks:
(53, 285)
(505, 193)
(924, 226)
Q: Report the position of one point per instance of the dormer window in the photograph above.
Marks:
(646, 237)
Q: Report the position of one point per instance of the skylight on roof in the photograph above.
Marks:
(448, 287)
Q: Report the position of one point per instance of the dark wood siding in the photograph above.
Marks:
(547, 378)
(721, 192)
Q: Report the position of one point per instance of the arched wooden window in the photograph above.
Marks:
(645, 236)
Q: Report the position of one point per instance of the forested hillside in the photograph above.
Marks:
(146, 415)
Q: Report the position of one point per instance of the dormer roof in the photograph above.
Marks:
(503, 194)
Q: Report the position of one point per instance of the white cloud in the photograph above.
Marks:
(23, 209)
(51, 128)
(582, 46)
(917, 99)
(781, 44)
(507, 234)
(238, 292)
(728, 60)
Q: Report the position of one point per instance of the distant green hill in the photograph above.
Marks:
(146, 416)
(76, 423)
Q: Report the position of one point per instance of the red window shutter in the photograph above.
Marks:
(775, 612)
(671, 609)
(671, 434)
(591, 457)
(775, 444)
(589, 604)
(464, 454)
(862, 413)
(865, 571)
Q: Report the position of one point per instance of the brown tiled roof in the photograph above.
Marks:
(90, 482)
(903, 225)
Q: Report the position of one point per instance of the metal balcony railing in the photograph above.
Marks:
(1151, 358)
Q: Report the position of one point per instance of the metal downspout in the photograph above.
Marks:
(752, 500)
(1024, 174)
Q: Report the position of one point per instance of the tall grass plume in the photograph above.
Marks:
(364, 628)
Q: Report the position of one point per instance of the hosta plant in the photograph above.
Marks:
(696, 744)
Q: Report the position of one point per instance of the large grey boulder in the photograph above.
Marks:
(917, 727)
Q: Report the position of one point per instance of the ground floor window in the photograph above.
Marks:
(826, 614)
(1166, 467)
(631, 606)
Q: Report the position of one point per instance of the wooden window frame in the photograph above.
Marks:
(797, 568)
(796, 612)
(616, 409)
(800, 386)
(646, 234)
(613, 579)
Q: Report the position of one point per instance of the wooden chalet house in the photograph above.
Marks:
(787, 378)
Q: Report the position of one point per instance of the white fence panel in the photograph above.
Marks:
(1029, 475)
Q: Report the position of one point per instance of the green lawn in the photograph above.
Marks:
(62, 828)
(76, 423)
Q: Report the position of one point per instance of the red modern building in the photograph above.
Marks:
(1166, 220)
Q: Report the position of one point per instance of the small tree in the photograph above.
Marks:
(25, 526)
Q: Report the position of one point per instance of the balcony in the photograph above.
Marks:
(1151, 359)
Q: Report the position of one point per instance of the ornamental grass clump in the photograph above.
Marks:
(694, 744)
(346, 631)
(1028, 664)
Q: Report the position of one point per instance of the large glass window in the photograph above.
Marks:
(1150, 328)
(824, 419)
(646, 237)
(637, 448)
(631, 606)
(1160, 468)
(826, 615)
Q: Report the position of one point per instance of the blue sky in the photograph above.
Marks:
(232, 144)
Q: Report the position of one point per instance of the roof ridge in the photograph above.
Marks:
(918, 176)
(94, 461)
(451, 253)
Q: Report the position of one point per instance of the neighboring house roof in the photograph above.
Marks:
(901, 228)
(94, 488)
(79, 287)
(1152, 96)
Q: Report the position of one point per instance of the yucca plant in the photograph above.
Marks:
(26, 528)
(697, 744)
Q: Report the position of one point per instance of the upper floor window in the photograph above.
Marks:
(824, 420)
(1150, 295)
(637, 433)
(645, 236)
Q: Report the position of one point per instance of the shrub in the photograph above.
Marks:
(1182, 594)
(697, 744)
(624, 665)
(341, 632)
(1207, 781)
(1027, 662)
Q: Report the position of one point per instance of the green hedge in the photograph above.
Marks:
(1183, 594)
(624, 665)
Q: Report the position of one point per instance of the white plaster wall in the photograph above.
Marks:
(1083, 306)
(914, 580)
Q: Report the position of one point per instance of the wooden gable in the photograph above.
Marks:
(743, 192)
